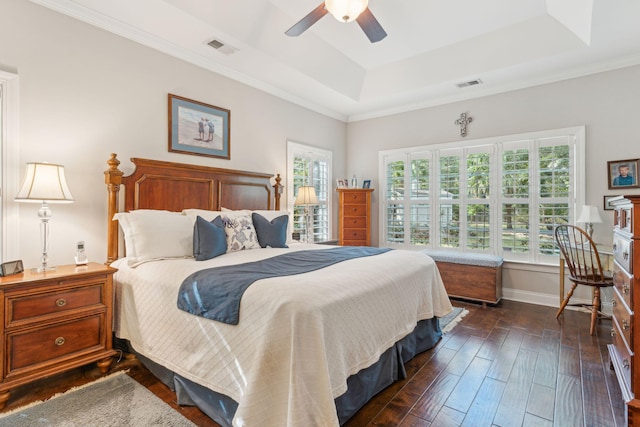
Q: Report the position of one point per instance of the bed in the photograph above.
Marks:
(308, 349)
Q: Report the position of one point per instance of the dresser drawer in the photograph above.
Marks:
(354, 234)
(355, 198)
(49, 344)
(29, 307)
(623, 354)
(623, 318)
(354, 222)
(622, 252)
(355, 210)
(622, 283)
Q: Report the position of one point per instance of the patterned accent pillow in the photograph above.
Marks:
(240, 232)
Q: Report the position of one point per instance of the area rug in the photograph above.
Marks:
(448, 322)
(116, 400)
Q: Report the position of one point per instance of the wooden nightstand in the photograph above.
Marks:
(54, 321)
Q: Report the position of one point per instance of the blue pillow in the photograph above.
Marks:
(209, 239)
(272, 234)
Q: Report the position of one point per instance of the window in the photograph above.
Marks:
(310, 166)
(496, 195)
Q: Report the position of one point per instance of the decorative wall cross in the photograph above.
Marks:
(463, 121)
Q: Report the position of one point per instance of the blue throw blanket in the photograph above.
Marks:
(215, 293)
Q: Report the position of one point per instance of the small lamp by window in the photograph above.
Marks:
(589, 216)
(44, 183)
(307, 197)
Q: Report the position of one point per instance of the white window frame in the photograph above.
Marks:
(576, 139)
(296, 149)
(10, 245)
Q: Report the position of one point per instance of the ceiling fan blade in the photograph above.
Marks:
(306, 22)
(371, 26)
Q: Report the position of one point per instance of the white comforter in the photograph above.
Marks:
(299, 337)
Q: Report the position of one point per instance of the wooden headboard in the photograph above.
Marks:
(172, 186)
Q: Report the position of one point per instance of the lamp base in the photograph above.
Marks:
(43, 269)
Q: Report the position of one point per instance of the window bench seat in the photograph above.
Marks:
(471, 276)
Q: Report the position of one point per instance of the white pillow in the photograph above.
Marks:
(154, 234)
(205, 214)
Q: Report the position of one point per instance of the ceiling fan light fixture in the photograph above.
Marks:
(346, 10)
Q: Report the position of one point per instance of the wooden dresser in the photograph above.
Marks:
(54, 321)
(626, 299)
(354, 216)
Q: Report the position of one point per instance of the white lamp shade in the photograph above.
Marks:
(306, 196)
(346, 10)
(589, 215)
(44, 182)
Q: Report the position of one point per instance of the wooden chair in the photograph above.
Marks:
(585, 268)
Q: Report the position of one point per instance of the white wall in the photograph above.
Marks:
(85, 93)
(606, 103)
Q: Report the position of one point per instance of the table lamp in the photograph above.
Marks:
(44, 183)
(589, 216)
(307, 197)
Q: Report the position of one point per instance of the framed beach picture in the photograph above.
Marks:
(623, 173)
(198, 128)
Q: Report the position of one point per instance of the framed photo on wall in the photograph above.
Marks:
(623, 173)
(198, 128)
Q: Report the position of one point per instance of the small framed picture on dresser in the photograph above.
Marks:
(342, 183)
(366, 183)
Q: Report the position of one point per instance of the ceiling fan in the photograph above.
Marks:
(345, 11)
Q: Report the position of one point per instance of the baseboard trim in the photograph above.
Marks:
(540, 298)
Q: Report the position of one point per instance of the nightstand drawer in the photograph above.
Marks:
(46, 345)
(26, 307)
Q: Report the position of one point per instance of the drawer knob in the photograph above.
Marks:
(61, 302)
(625, 324)
(354, 209)
(59, 341)
(613, 332)
(613, 302)
(615, 246)
(355, 221)
(625, 255)
(625, 363)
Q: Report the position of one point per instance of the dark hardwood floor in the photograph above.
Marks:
(508, 365)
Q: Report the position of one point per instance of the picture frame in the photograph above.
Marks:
(199, 129)
(366, 183)
(342, 183)
(607, 203)
(623, 173)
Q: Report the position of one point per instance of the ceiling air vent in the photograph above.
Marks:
(469, 83)
(222, 47)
